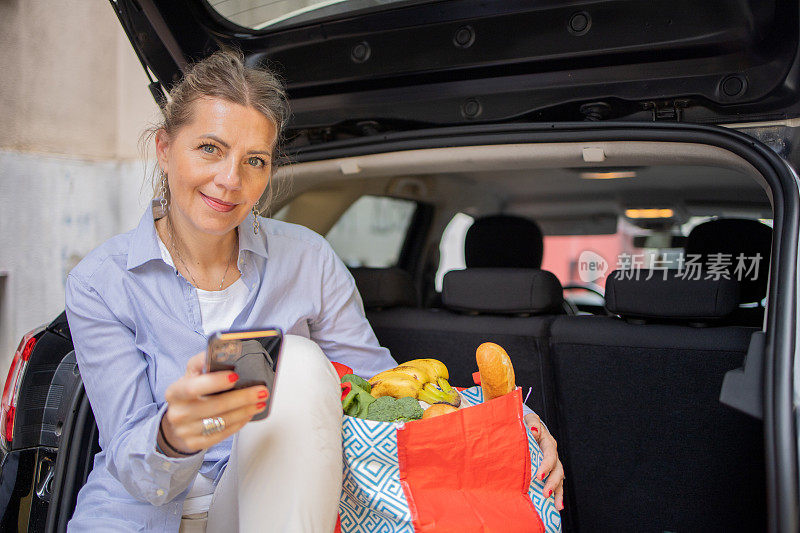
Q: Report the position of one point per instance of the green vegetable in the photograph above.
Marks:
(388, 409)
(410, 408)
(357, 382)
(358, 400)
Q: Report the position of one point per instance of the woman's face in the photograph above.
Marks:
(218, 165)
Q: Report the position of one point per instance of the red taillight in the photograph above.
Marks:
(11, 387)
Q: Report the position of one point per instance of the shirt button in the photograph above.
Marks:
(160, 492)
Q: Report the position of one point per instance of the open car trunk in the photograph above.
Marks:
(405, 97)
(410, 165)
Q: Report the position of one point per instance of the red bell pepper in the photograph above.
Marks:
(346, 388)
(341, 369)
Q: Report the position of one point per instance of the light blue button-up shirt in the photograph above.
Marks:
(135, 322)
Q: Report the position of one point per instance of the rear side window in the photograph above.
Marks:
(273, 14)
(588, 259)
(585, 260)
(372, 231)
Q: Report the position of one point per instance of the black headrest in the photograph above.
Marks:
(503, 241)
(632, 296)
(736, 237)
(502, 291)
(385, 287)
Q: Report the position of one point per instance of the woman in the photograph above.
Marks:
(143, 303)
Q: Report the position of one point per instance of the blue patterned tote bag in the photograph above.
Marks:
(455, 472)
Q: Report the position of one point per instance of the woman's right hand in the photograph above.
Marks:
(190, 400)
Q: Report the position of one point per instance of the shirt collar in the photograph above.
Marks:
(251, 242)
(144, 244)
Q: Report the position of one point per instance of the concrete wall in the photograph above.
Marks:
(55, 210)
(73, 102)
(70, 81)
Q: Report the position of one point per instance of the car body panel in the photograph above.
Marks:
(25, 483)
(403, 68)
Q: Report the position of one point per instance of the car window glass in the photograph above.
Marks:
(372, 231)
(268, 14)
(561, 252)
(586, 260)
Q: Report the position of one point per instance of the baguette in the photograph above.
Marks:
(497, 372)
(438, 409)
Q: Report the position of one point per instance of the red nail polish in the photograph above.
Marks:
(534, 429)
(261, 406)
(233, 376)
(544, 475)
(263, 394)
(550, 493)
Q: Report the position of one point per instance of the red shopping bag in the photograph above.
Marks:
(469, 471)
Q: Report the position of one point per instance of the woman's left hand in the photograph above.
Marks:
(551, 465)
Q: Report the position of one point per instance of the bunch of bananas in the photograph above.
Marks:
(423, 379)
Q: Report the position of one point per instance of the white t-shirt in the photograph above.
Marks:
(218, 309)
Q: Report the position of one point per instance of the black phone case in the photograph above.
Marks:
(255, 361)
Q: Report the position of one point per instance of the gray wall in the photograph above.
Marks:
(73, 102)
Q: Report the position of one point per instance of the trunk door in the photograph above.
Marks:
(358, 68)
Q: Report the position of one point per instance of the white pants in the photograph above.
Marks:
(285, 472)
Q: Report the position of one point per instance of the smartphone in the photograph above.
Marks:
(253, 355)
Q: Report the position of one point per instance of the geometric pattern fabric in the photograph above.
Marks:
(372, 499)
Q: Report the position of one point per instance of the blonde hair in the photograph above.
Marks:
(224, 75)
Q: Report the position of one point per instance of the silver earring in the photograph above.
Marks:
(162, 197)
(256, 225)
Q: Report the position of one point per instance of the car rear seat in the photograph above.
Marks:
(503, 241)
(479, 305)
(647, 445)
(502, 297)
(384, 287)
(732, 237)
